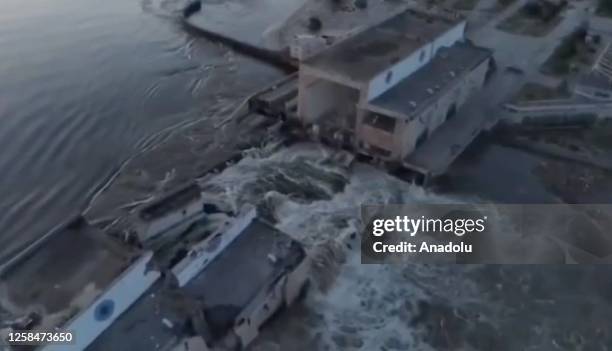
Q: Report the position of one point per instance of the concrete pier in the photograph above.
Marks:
(242, 25)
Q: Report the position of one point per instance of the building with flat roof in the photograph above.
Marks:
(219, 295)
(76, 279)
(233, 294)
(406, 42)
(386, 90)
(397, 122)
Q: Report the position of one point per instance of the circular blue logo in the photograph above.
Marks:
(104, 310)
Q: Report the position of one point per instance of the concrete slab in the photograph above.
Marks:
(63, 275)
(76, 279)
(363, 55)
(147, 325)
(447, 142)
(244, 21)
(252, 262)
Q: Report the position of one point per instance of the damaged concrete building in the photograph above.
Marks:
(386, 90)
(168, 214)
(219, 296)
(75, 279)
(233, 273)
(232, 296)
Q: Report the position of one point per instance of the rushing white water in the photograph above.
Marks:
(353, 306)
(356, 300)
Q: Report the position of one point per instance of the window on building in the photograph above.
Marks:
(380, 122)
(451, 112)
(388, 77)
(422, 56)
(421, 139)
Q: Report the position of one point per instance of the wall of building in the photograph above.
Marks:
(259, 310)
(387, 79)
(448, 39)
(201, 254)
(318, 97)
(367, 135)
(128, 288)
(306, 45)
(170, 220)
(435, 115)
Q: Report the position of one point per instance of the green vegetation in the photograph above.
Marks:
(604, 8)
(571, 54)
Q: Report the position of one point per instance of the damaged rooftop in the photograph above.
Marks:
(256, 259)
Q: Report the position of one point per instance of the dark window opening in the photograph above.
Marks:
(388, 77)
(421, 139)
(380, 122)
(178, 256)
(452, 111)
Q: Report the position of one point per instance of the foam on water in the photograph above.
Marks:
(310, 195)
(354, 305)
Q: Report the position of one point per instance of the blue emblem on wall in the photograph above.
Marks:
(104, 310)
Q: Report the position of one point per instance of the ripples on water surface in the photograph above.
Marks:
(84, 84)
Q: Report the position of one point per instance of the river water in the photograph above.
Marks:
(84, 84)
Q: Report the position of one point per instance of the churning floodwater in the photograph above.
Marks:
(308, 193)
(84, 84)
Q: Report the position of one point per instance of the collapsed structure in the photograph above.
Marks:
(259, 271)
(76, 279)
(220, 285)
(169, 214)
(387, 90)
